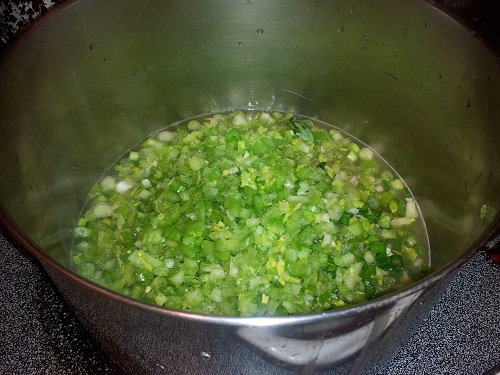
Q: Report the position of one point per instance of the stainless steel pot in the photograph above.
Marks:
(92, 78)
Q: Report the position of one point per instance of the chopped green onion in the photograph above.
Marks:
(102, 209)
(245, 214)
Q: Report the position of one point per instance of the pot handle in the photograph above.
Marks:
(492, 247)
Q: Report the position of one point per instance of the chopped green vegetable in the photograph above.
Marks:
(250, 214)
(487, 213)
(302, 129)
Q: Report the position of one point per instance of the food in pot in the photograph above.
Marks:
(251, 214)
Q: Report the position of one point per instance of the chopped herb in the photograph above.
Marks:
(302, 129)
(250, 214)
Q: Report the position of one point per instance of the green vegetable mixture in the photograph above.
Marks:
(251, 214)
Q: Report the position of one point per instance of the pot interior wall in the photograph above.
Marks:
(92, 79)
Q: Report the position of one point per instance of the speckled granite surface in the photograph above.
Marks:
(454, 330)
(38, 333)
(16, 15)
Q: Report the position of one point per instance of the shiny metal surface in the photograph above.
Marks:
(403, 77)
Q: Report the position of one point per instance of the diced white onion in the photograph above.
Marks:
(398, 221)
(123, 186)
(239, 120)
(366, 153)
(411, 208)
(327, 239)
(369, 257)
(102, 209)
(194, 125)
(166, 136)
(396, 184)
(108, 183)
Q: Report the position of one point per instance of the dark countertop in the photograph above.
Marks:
(38, 332)
(456, 330)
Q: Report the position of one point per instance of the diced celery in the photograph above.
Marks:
(196, 162)
(250, 213)
(178, 278)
